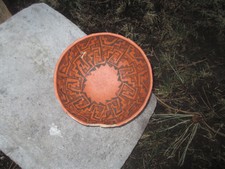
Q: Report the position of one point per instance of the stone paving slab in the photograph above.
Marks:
(34, 130)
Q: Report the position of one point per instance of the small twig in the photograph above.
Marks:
(178, 142)
(175, 109)
(166, 117)
(154, 54)
(194, 130)
(193, 113)
(182, 81)
(191, 64)
(214, 131)
(102, 2)
(11, 165)
(203, 101)
(207, 98)
(175, 125)
(14, 166)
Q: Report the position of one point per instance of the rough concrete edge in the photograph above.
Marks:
(152, 103)
(40, 5)
(16, 153)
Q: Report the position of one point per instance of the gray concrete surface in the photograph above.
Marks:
(34, 130)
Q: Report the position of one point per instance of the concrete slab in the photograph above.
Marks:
(34, 130)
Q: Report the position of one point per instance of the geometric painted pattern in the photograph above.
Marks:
(96, 54)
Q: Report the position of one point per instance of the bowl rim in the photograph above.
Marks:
(138, 112)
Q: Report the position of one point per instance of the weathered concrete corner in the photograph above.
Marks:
(34, 130)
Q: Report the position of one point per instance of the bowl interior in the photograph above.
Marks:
(103, 80)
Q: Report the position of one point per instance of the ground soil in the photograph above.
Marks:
(184, 41)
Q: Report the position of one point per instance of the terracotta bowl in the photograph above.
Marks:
(103, 79)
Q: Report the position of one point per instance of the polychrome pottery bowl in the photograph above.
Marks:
(103, 79)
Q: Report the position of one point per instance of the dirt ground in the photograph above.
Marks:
(184, 41)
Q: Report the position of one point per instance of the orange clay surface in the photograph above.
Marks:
(103, 79)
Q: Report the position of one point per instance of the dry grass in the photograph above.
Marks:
(184, 41)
